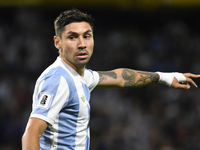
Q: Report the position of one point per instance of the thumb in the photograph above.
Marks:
(175, 84)
(184, 86)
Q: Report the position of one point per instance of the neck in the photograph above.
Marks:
(80, 70)
(77, 68)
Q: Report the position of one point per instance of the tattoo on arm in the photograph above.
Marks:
(104, 74)
(130, 77)
(152, 76)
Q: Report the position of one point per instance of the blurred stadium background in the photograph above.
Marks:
(148, 35)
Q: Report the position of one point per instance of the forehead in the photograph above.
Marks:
(78, 27)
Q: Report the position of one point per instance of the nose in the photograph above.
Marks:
(81, 44)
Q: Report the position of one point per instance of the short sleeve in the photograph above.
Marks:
(92, 79)
(52, 94)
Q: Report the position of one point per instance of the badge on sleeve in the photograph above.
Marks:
(45, 100)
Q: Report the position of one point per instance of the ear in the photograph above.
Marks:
(57, 42)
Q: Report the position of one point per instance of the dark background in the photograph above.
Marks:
(142, 35)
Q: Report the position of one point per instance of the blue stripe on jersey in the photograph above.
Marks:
(45, 141)
(45, 77)
(50, 85)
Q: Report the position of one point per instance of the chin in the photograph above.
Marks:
(83, 62)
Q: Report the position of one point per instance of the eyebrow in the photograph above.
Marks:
(72, 32)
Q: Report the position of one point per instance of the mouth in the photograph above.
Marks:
(82, 55)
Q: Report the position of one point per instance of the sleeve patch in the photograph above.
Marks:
(45, 100)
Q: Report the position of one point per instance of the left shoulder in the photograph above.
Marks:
(91, 77)
(88, 73)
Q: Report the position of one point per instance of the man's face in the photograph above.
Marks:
(76, 44)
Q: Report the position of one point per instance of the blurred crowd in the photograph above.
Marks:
(154, 117)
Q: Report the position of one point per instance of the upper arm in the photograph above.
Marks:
(36, 126)
(109, 79)
(34, 130)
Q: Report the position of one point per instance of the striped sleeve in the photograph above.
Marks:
(53, 93)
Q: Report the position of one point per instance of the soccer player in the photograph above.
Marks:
(60, 110)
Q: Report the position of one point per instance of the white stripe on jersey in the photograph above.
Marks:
(83, 118)
(54, 135)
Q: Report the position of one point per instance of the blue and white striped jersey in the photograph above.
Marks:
(61, 98)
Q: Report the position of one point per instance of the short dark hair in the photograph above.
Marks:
(70, 16)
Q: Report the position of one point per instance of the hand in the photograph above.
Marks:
(185, 85)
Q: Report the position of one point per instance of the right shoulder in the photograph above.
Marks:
(55, 72)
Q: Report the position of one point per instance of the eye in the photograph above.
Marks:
(87, 36)
(71, 37)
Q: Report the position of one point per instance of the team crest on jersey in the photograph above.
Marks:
(44, 101)
(83, 98)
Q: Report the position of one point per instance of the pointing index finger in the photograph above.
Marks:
(190, 75)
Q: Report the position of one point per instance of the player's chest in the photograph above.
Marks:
(80, 97)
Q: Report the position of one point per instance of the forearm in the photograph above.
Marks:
(126, 78)
(34, 130)
(134, 78)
